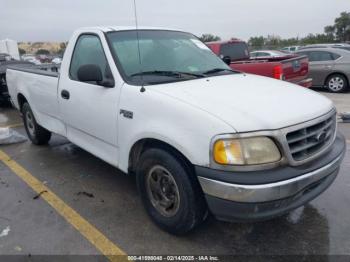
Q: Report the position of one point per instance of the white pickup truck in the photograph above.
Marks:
(199, 137)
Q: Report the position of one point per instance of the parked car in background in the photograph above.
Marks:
(289, 68)
(197, 135)
(31, 59)
(5, 61)
(329, 67)
(267, 54)
(347, 48)
(343, 46)
(56, 60)
(5, 57)
(326, 45)
(291, 49)
(43, 58)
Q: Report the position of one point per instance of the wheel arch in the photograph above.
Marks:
(21, 99)
(143, 144)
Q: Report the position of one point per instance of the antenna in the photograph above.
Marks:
(138, 46)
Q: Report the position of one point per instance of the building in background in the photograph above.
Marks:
(10, 47)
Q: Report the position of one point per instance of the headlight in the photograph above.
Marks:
(246, 151)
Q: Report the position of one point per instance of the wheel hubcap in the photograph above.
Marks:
(30, 123)
(162, 191)
(336, 84)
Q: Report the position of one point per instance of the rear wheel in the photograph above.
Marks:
(337, 83)
(36, 133)
(170, 194)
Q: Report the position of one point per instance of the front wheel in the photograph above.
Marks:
(171, 195)
(337, 83)
(36, 133)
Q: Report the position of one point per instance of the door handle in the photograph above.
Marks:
(65, 94)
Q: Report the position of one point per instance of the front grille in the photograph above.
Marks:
(309, 140)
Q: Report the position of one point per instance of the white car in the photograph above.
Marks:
(199, 137)
(267, 54)
(31, 59)
(291, 49)
(57, 60)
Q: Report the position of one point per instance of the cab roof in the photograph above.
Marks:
(106, 29)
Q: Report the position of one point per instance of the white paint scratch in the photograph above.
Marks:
(5, 232)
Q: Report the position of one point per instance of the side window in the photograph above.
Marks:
(89, 50)
(263, 54)
(304, 53)
(318, 56)
(335, 56)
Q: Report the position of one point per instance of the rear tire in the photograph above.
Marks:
(36, 133)
(337, 83)
(170, 193)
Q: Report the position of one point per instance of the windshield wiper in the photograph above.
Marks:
(168, 73)
(218, 70)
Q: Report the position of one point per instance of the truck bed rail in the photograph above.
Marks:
(47, 69)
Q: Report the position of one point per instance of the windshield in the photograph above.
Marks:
(165, 56)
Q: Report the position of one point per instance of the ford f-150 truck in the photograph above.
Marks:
(291, 68)
(200, 137)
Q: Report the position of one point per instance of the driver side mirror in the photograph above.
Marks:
(93, 73)
(227, 60)
(89, 73)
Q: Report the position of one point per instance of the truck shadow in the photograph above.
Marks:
(302, 232)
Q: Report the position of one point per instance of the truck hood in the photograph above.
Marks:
(249, 102)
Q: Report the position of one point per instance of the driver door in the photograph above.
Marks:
(89, 109)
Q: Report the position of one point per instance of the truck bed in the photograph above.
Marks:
(40, 83)
(290, 68)
(293, 69)
(21, 66)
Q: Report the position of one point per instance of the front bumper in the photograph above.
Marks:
(249, 202)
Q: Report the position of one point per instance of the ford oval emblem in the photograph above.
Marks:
(321, 137)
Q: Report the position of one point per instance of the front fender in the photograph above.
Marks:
(176, 123)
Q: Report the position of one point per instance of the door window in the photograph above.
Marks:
(89, 50)
(263, 54)
(318, 56)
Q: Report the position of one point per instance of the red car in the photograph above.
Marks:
(291, 68)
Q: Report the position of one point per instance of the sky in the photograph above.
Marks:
(48, 20)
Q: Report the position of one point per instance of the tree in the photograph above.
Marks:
(42, 52)
(342, 27)
(257, 42)
(330, 31)
(273, 40)
(62, 49)
(21, 51)
(340, 31)
(209, 38)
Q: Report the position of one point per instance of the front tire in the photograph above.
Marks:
(36, 133)
(170, 194)
(337, 83)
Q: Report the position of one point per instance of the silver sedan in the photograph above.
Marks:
(329, 67)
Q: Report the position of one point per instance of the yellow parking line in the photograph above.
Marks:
(100, 241)
(12, 126)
